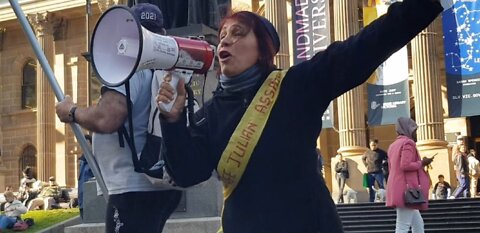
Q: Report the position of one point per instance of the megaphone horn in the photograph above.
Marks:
(120, 46)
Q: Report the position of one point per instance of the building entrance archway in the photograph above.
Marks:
(28, 158)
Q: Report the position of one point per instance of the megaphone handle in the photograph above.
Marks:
(173, 82)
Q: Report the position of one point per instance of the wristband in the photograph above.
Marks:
(71, 113)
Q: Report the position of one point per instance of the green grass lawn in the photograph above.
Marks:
(44, 219)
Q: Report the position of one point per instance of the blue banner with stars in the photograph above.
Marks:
(461, 29)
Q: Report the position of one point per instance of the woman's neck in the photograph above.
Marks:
(244, 81)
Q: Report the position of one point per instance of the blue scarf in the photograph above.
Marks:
(249, 78)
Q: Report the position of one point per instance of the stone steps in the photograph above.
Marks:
(460, 215)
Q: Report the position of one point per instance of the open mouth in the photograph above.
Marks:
(224, 55)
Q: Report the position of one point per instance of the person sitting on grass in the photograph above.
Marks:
(2, 198)
(13, 210)
(24, 191)
(47, 196)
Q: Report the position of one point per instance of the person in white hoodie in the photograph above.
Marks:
(474, 169)
(13, 210)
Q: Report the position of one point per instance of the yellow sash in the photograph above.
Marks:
(237, 153)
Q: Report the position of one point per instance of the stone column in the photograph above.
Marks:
(2, 146)
(350, 105)
(276, 12)
(427, 90)
(103, 5)
(2, 34)
(351, 117)
(255, 5)
(428, 104)
(44, 25)
(3, 169)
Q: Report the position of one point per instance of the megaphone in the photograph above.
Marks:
(120, 46)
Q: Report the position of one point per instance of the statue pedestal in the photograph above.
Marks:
(200, 201)
(94, 206)
(194, 30)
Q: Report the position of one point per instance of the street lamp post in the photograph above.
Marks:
(88, 13)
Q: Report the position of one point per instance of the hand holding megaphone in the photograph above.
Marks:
(172, 95)
(172, 77)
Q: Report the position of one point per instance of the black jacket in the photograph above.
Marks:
(268, 199)
(341, 168)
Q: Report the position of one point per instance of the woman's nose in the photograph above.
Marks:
(229, 39)
(226, 41)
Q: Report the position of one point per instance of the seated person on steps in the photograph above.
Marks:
(442, 189)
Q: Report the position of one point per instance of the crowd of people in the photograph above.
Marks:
(466, 166)
(32, 194)
(467, 171)
(35, 193)
(406, 169)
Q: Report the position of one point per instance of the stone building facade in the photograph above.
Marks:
(30, 133)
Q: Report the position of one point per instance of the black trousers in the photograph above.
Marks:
(140, 212)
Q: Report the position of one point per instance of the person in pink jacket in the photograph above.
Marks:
(406, 167)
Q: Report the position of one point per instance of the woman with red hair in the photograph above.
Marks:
(259, 131)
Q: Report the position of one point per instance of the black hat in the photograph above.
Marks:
(272, 32)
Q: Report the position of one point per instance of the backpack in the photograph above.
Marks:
(150, 161)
